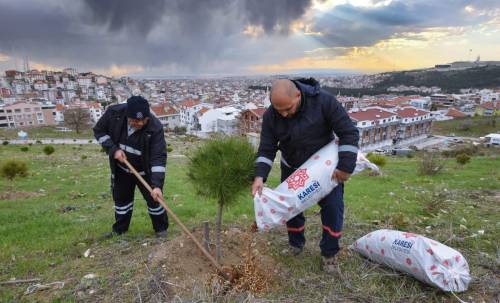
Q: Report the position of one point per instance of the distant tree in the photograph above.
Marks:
(77, 118)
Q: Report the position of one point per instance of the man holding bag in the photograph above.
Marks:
(302, 119)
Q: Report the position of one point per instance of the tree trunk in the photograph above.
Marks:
(218, 224)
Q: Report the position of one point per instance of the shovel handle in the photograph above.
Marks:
(176, 219)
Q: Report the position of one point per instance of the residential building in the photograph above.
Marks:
(414, 123)
(167, 114)
(21, 114)
(250, 120)
(377, 126)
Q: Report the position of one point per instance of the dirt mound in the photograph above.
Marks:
(245, 254)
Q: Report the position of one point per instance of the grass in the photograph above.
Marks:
(44, 236)
(44, 133)
(468, 127)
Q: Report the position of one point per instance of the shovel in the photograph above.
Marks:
(183, 227)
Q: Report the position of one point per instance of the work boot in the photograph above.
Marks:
(161, 234)
(328, 264)
(292, 251)
(110, 235)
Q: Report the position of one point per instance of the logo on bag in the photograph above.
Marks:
(297, 179)
(308, 191)
(402, 245)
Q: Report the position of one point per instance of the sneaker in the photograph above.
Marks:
(161, 234)
(328, 264)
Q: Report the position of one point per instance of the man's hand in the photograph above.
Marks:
(258, 184)
(157, 194)
(340, 176)
(120, 155)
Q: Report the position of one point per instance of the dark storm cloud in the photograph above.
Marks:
(277, 13)
(116, 14)
(201, 35)
(142, 16)
(98, 33)
(347, 25)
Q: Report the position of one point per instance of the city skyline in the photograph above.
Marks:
(244, 37)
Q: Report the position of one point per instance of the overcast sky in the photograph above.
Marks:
(234, 37)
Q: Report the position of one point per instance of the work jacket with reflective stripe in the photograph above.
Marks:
(318, 118)
(108, 131)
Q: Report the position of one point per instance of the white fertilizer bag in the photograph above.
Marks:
(427, 260)
(305, 187)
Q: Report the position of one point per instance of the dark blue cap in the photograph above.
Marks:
(137, 107)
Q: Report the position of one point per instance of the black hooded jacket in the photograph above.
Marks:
(319, 116)
(108, 131)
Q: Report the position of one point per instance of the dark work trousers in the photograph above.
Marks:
(332, 219)
(123, 187)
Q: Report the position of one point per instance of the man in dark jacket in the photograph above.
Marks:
(129, 131)
(302, 119)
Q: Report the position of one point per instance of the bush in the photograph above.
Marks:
(48, 150)
(14, 168)
(180, 130)
(24, 148)
(83, 157)
(169, 149)
(378, 160)
(469, 150)
(38, 142)
(430, 164)
(5, 142)
(462, 159)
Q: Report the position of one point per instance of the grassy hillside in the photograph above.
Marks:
(50, 218)
(448, 81)
(468, 127)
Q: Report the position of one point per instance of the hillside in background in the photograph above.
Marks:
(449, 81)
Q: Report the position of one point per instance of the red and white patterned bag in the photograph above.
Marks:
(305, 187)
(427, 260)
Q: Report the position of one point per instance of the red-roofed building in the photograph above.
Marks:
(167, 114)
(489, 108)
(5, 92)
(250, 120)
(189, 103)
(414, 122)
(376, 126)
(455, 113)
(96, 111)
(188, 109)
(202, 111)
